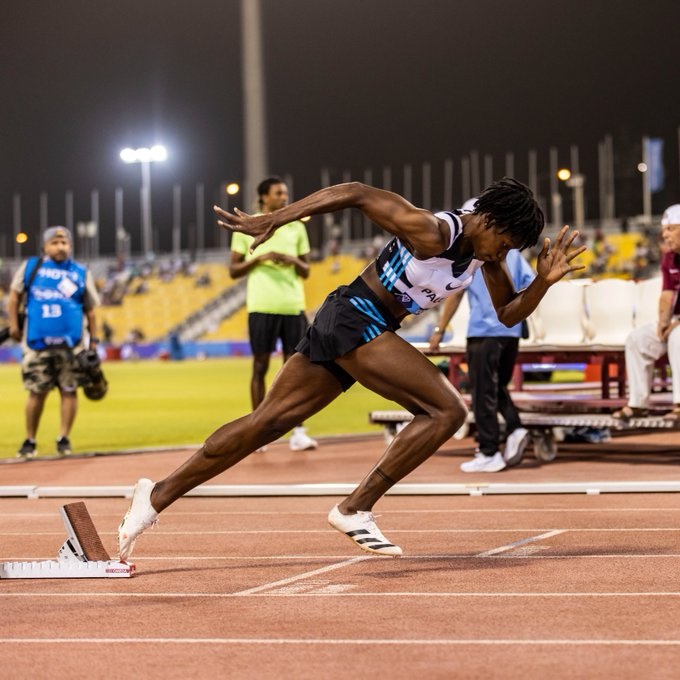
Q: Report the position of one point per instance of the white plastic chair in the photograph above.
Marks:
(647, 294)
(459, 324)
(532, 323)
(610, 306)
(559, 319)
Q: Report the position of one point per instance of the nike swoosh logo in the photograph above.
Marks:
(451, 286)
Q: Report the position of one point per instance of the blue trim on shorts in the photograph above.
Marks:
(367, 308)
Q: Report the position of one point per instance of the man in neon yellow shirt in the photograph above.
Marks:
(275, 296)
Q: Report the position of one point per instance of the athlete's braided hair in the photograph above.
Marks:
(511, 207)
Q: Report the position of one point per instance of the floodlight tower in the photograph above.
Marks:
(145, 156)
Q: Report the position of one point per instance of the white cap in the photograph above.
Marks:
(671, 215)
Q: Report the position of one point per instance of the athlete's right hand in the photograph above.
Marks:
(260, 227)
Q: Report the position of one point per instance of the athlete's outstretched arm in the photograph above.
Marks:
(552, 264)
(419, 229)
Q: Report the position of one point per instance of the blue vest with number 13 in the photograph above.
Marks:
(54, 308)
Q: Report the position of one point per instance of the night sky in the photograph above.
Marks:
(351, 84)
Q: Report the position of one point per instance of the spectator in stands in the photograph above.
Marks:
(353, 338)
(491, 352)
(135, 335)
(60, 299)
(650, 342)
(107, 332)
(275, 296)
(175, 346)
(142, 287)
(602, 252)
(203, 281)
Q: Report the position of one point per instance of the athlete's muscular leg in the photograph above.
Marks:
(394, 369)
(300, 390)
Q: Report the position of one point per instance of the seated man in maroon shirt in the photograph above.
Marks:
(650, 342)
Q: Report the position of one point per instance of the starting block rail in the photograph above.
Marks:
(82, 555)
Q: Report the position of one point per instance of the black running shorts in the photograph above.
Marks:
(265, 329)
(351, 316)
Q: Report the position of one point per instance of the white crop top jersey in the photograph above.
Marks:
(422, 284)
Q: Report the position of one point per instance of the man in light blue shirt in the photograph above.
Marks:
(491, 353)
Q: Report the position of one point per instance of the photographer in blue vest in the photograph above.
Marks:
(59, 297)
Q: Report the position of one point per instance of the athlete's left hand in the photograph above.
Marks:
(555, 262)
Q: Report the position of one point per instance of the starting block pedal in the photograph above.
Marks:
(81, 556)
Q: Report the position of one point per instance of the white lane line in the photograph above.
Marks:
(433, 511)
(523, 541)
(307, 558)
(319, 593)
(359, 642)
(307, 574)
(248, 532)
(436, 511)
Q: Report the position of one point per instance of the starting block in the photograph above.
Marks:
(81, 556)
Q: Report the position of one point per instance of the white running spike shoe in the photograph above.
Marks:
(362, 529)
(139, 517)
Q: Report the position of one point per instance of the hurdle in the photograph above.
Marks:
(82, 554)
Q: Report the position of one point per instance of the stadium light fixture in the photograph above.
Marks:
(145, 156)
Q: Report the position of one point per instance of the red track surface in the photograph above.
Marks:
(568, 586)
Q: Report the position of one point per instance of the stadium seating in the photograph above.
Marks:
(164, 304)
(581, 321)
(559, 320)
(610, 311)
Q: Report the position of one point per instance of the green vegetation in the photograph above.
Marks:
(156, 403)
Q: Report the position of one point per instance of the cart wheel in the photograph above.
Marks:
(545, 446)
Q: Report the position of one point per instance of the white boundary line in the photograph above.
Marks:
(523, 541)
(393, 511)
(248, 532)
(308, 558)
(307, 574)
(461, 595)
(372, 642)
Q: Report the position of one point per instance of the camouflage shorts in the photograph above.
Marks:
(44, 370)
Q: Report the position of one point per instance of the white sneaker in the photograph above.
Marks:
(515, 445)
(140, 516)
(362, 529)
(482, 463)
(301, 441)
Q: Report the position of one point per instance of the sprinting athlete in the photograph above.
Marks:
(353, 339)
